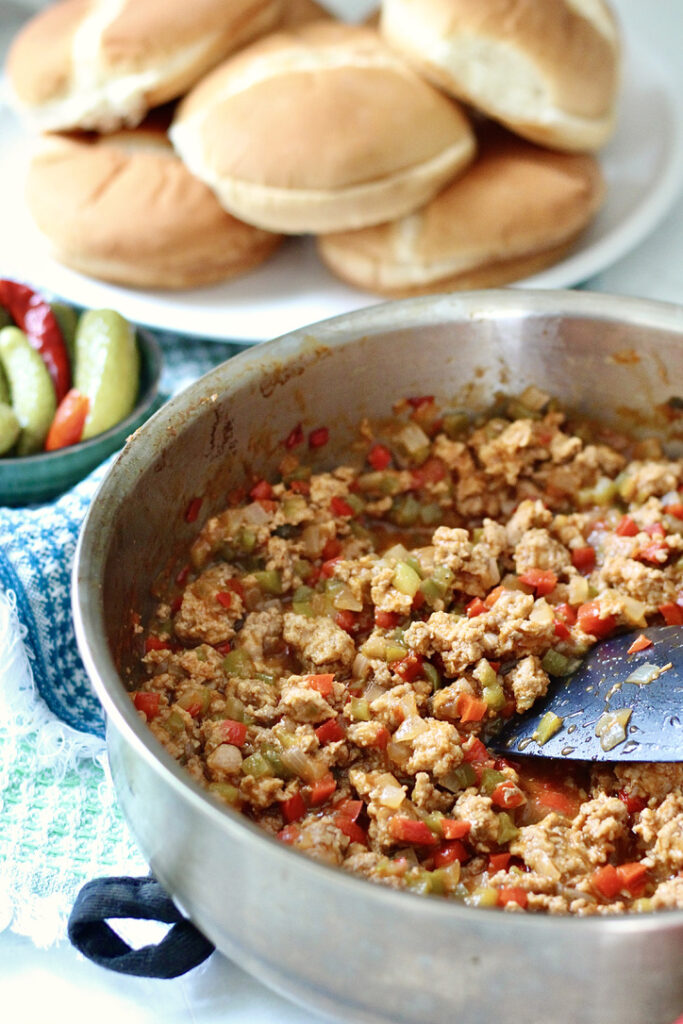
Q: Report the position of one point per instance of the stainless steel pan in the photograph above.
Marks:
(344, 946)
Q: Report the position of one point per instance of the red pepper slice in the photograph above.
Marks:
(449, 852)
(498, 862)
(508, 795)
(409, 668)
(386, 620)
(67, 426)
(35, 317)
(192, 510)
(261, 491)
(156, 643)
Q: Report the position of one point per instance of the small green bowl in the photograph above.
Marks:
(44, 476)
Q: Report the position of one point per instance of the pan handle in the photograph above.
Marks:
(182, 948)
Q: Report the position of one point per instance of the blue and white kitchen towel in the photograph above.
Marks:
(59, 822)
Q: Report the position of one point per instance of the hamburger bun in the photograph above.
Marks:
(321, 128)
(547, 69)
(97, 65)
(125, 209)
(301, 12)
(519, 208)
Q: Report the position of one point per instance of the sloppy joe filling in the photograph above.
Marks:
(339, 645)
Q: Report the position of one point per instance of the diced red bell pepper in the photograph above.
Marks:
(562, 631)
(633, 877)
(634, 803)
(471, 709)
(339, 507)
(379, 457)
(566, 613)
(355, 833)
(233, 732)
(294, 808)
(655, 530)
(657, 553)
(592, 621)
(626, 527)
(183, 574)
(148, 703)
(322, 789)
(331, 549)
(300, 486)
(606, 881)
(641, 643)
(475, 752)
(583, 558)
(513, 894)
(450, 852)
(418, 401)
(328, 566)
(430, 472)
(346, 619)
(493, 596)
(475, 607)
(675, 509)
(382, 737)
(261, 491)
(386, 620)
(294, 437)
(409, 668)
(329, 732)
(508, 795)
(157, 643)
(498, 862)
(224, 598)
(672, 614)
(289, 834)
(318, 437)
(455, 828)
(223, 648)
(408, 830)
(192, 510)
(543, 581)
(323, 683)
(349, 808)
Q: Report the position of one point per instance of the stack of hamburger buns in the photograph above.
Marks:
(445, 144)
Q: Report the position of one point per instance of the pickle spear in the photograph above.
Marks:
(32, 392)
(107, 368)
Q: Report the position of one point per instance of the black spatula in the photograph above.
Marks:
(615, 707)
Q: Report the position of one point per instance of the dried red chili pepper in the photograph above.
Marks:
(34, 316)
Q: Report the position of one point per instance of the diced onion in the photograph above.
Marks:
(644, 674)
(409, 729)
(611, 728)
(634, 611)
(542, 613)
(255, 514)
(299, 763)
(578, 590)
(391, 796)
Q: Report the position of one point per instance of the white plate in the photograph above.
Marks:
(643, 167)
